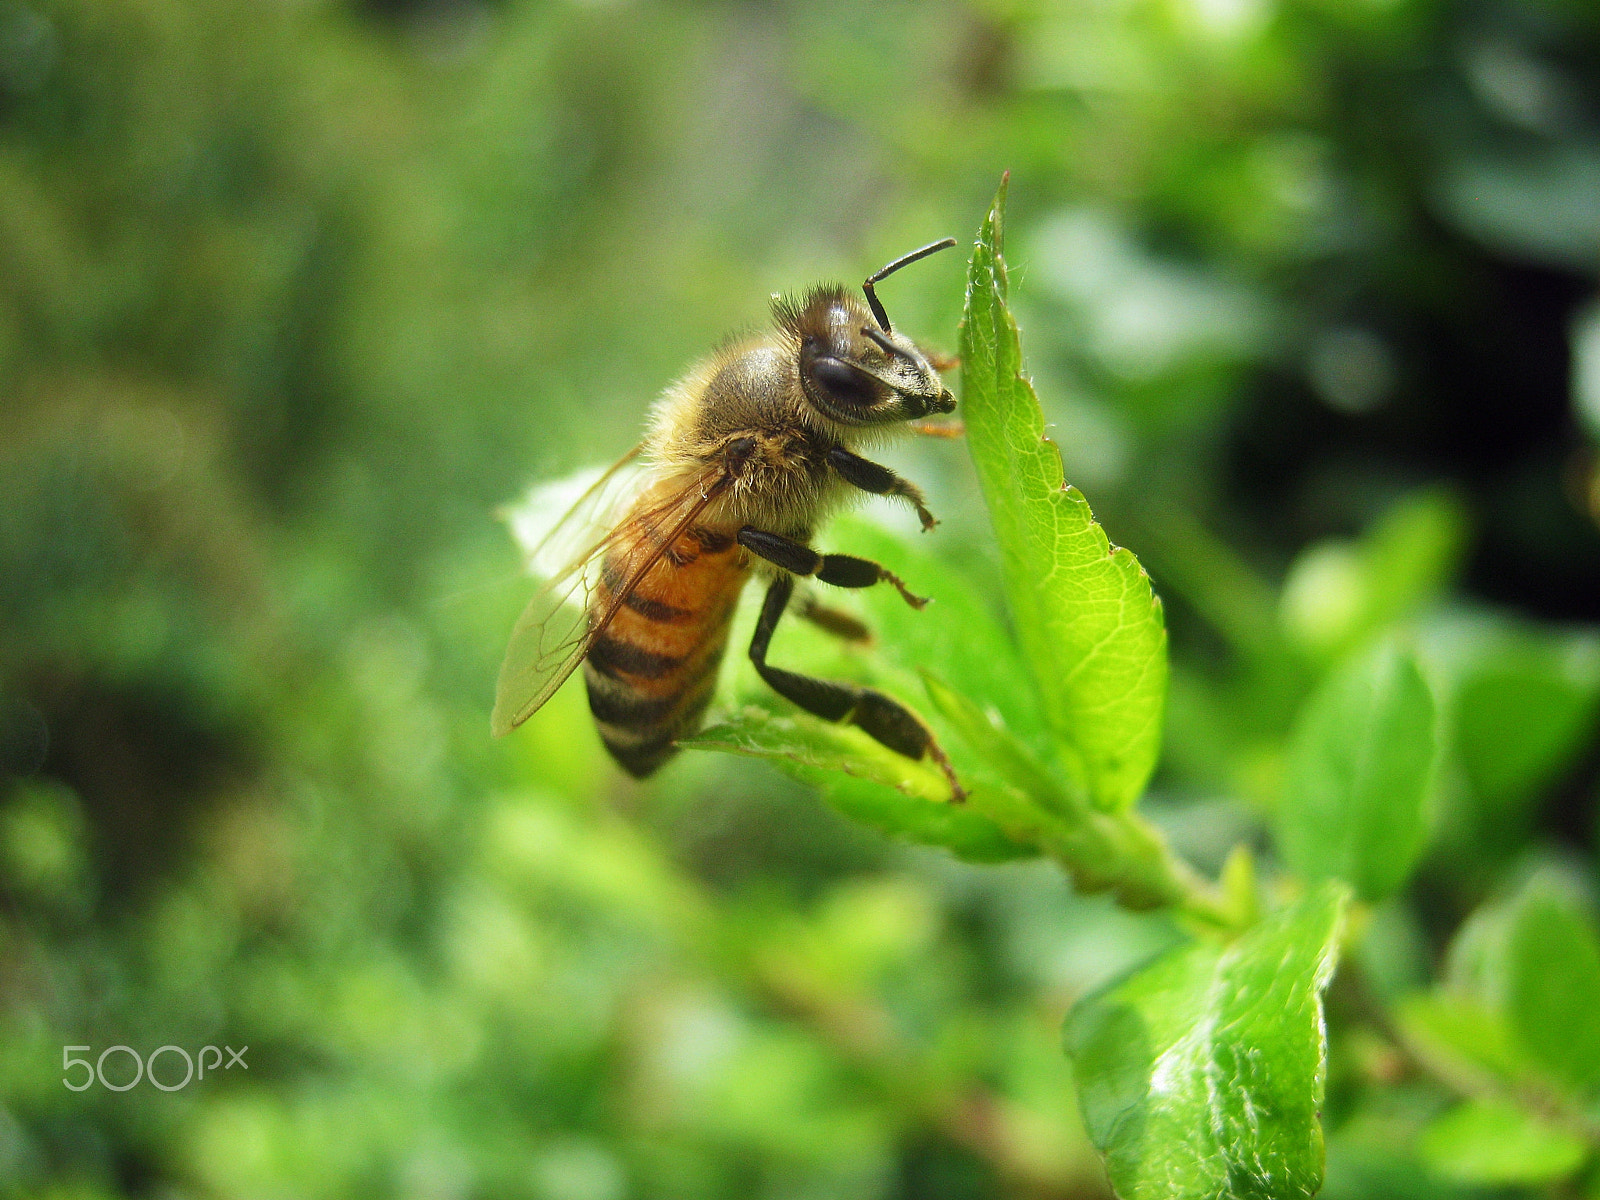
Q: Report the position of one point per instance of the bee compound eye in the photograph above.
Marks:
(843, 382)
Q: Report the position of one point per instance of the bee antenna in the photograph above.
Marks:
(882, 342)
(878, 276)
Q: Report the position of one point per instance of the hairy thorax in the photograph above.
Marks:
(749, 393)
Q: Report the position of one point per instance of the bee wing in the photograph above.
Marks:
(557, 628)
(589, 502)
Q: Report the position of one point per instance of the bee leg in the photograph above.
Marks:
(841, 570)
(880, 481)
(885, 720)
(833, 620)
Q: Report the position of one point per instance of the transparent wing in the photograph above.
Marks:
(557, 628)
(558, 522)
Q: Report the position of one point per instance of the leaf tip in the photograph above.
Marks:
(994, 227)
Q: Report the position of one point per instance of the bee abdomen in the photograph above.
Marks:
(616, 658)
(639, 730)
(652, 673)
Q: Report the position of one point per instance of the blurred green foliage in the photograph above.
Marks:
(293, 296)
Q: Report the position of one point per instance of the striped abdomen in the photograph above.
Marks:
(652, 672)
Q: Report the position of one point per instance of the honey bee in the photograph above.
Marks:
(744, 459)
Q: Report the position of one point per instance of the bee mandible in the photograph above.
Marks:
(744, 459)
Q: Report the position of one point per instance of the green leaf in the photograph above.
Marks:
(1368, 1162)
(865, 780)
(1494, 1142)
(959, 632)
(1002, 750)
(1519, 719)
(1090, 628)
(1462, 1040)
(1411, 552)
(1338, 595)
(1202, 1074)
(1531, 963)
(1554, 994)
(1477, 963)
(1361, 765)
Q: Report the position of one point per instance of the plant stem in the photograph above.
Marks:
(1143, 872)
(1117, 851)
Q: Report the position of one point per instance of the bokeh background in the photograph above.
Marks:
(294, 295)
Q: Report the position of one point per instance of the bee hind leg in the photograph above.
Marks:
(885, 720)
(833, 620)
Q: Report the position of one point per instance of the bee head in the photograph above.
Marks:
(854, 368)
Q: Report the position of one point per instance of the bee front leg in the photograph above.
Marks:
(939, 429)
(886, 721)
(880, 481)
(841, 570)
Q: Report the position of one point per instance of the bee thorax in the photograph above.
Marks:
(780, 480)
